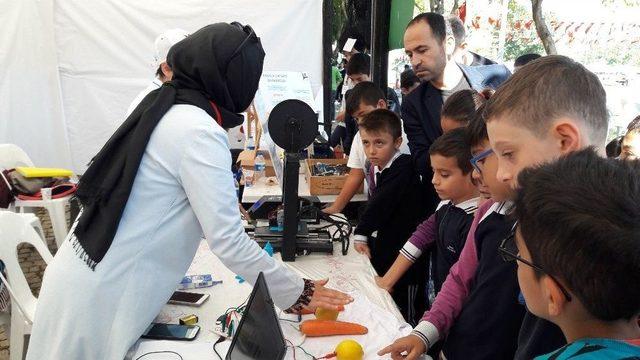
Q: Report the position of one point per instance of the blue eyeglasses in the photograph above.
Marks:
(483, 155)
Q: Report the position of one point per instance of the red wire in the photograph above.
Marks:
(293, 347)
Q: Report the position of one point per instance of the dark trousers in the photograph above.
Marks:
(412, 301)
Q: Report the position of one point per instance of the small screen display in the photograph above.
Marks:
(168, 330)
(186, 297)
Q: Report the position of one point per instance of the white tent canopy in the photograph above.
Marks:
(69, 69)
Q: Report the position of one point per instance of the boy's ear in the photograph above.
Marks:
(382, 104)
(397, 143)
(554, 297)
(569, 136)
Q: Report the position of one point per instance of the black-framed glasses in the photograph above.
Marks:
(483, 155)
(509, 252)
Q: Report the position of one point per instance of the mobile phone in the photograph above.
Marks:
(171, 332)
(188, 298)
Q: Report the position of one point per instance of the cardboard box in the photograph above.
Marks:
(326, 185)
(247, 159)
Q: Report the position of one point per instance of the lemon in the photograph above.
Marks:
(326, 314)
(349, 350)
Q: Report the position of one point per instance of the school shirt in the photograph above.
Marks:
(596, 349)
(184, 188)
(426, 233)
(453, 226)
(456, 288)
(493, 335)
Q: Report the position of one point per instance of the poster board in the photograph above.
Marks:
(275, 87)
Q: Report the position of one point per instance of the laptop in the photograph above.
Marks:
(259, 336)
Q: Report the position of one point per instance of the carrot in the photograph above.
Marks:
(307, 311)
(314, 328)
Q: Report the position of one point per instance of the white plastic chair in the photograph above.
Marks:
(12, 156)
(15, 230)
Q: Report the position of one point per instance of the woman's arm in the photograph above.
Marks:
(205, 174)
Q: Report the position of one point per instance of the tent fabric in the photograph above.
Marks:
(31, 111)
(70, 68)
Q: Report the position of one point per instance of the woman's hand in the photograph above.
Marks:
(327, 298)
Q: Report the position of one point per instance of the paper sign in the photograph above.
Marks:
(348, 46)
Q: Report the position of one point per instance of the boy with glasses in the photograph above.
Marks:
(577, 246)
(480, 279)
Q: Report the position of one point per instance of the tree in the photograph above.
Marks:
(521, 37)
(437, 6)
(541, 28)
(357, 21)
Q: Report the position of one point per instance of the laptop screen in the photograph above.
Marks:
(259, 335)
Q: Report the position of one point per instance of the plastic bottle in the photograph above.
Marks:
(237, 184)
(251, 144)
(259, 167)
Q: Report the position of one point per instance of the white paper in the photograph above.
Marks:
(348, 46)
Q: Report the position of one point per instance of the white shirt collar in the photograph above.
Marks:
(469, 206)
(395, 156)
(502, 208)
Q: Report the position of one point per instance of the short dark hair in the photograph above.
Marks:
(462, 105)
(439, 27)
(614, 147)
(366, 93)
(548, 88)
(477, 128)
(525, 59)
(359, 64)
(408, 78)
(457, 29)
(584, 229)
(634, 125)
(454, 144)
(382, 120)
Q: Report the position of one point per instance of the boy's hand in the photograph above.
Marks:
(383, 284)
(362, 248)
(411, 345)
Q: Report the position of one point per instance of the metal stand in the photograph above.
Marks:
(290, 201)
(293, 126)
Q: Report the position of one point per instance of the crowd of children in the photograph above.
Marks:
(535, 246)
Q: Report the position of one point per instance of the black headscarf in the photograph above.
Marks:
(217, 69)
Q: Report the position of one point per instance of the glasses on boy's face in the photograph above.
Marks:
(509, 252)
(476, 159)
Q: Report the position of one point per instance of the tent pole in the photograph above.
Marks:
(380, 42)
(327, 14)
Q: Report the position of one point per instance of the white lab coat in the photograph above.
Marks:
(184, 188)
(155, 84)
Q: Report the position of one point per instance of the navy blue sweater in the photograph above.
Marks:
(487, 327)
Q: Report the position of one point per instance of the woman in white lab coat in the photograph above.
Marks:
(161, 182)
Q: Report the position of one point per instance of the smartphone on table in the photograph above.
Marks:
(171, 332)
(188, 298)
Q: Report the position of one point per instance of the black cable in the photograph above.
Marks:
(343, 229)
(162, 352)
(220, 339)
